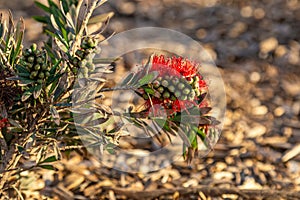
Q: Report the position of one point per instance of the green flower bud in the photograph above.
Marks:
(79, 53)
(91, 43)
(30, 59)
(166, 95)
(180, 86)
(33, 47)
(160, 90)
(41, 75)
(37, 52)
(40, 81)
(47, 74)
(171, 88)
(165, 83)
(37, 67)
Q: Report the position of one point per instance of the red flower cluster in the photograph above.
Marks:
(170, 71)
(4, 123)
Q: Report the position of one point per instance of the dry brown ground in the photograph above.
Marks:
(256, 45)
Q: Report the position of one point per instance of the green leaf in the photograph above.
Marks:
(26, 95)
(50, 167)
(200, 133)
(55, 115)
(127, 79)
(37, 91)
(110, 148)
(100, 18)
(148, 78)
(25, 81)
(15, 123)
(26, 75)
(49, 159)
(22, 69)
(41, 19)
(42, 6)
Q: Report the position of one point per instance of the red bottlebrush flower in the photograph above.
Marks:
(179, 84)
(4, 123)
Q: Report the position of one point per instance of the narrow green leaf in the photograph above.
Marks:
(42, 6)
(15, 123)
(100, 18)
(26, 95)
(148, 78)
(49, 159)
(127, 80)
(55, 115)
(37, 91)
(22, 69)
(50, 167)
(41, 19)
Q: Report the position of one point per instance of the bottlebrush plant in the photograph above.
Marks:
(175, 95)
(44, 88)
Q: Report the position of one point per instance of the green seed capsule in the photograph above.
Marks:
(30, 59)
(156, 84)
(171, 88)
(177, 94)
(37, 67)
(44, 67)
(184, 97)
(191, 96)
(40, 60)
(159, 79)
(165, 83)
(40, 81)
(175, 81)
(166, 95)
(41, 75)
(186, 91)
(29, 65)
(33, 74)
(160, 90)
(173, 98)
(47, 74)
(180, 86)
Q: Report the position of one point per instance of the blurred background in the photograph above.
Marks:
(256, 45)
